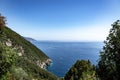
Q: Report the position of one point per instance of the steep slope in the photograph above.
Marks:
(30, 51)
(30, 60)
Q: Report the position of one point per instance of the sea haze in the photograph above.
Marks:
(65, 54)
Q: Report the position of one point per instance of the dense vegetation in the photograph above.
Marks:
(81, 70)
(24, 67)
(8, 57)
(109, 63)
(18, 58)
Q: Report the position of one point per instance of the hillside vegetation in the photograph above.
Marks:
(28, 57)
(19, 59)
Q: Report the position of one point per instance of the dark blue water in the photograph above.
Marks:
(65, 54)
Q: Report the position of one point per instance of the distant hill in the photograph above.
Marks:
(30, 61)
(30, 39)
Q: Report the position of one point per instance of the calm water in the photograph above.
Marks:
(65, 54)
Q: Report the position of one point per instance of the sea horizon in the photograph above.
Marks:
(69, 40)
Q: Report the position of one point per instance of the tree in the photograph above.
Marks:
(2, 23)
(109, 63)
(80, 70)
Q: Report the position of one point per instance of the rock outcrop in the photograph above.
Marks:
(44, 64)
(8, 42)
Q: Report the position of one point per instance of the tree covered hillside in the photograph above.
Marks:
(19, 59)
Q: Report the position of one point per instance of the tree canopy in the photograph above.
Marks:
(109, 63)
(81, 70)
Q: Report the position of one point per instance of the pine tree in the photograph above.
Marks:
(109, 63)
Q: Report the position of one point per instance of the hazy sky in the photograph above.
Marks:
(63, 20)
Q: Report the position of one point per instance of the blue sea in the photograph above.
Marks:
(65, 54)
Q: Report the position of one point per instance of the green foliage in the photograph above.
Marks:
(19, 73)
(109, 63)
(33, 70)
(89, 75)
(7, 59)
(21, 67)
(81, 70)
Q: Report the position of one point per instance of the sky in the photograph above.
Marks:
(61, 20)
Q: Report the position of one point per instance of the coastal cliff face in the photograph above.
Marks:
(44, 64)
(20, 51)
(30, 60)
